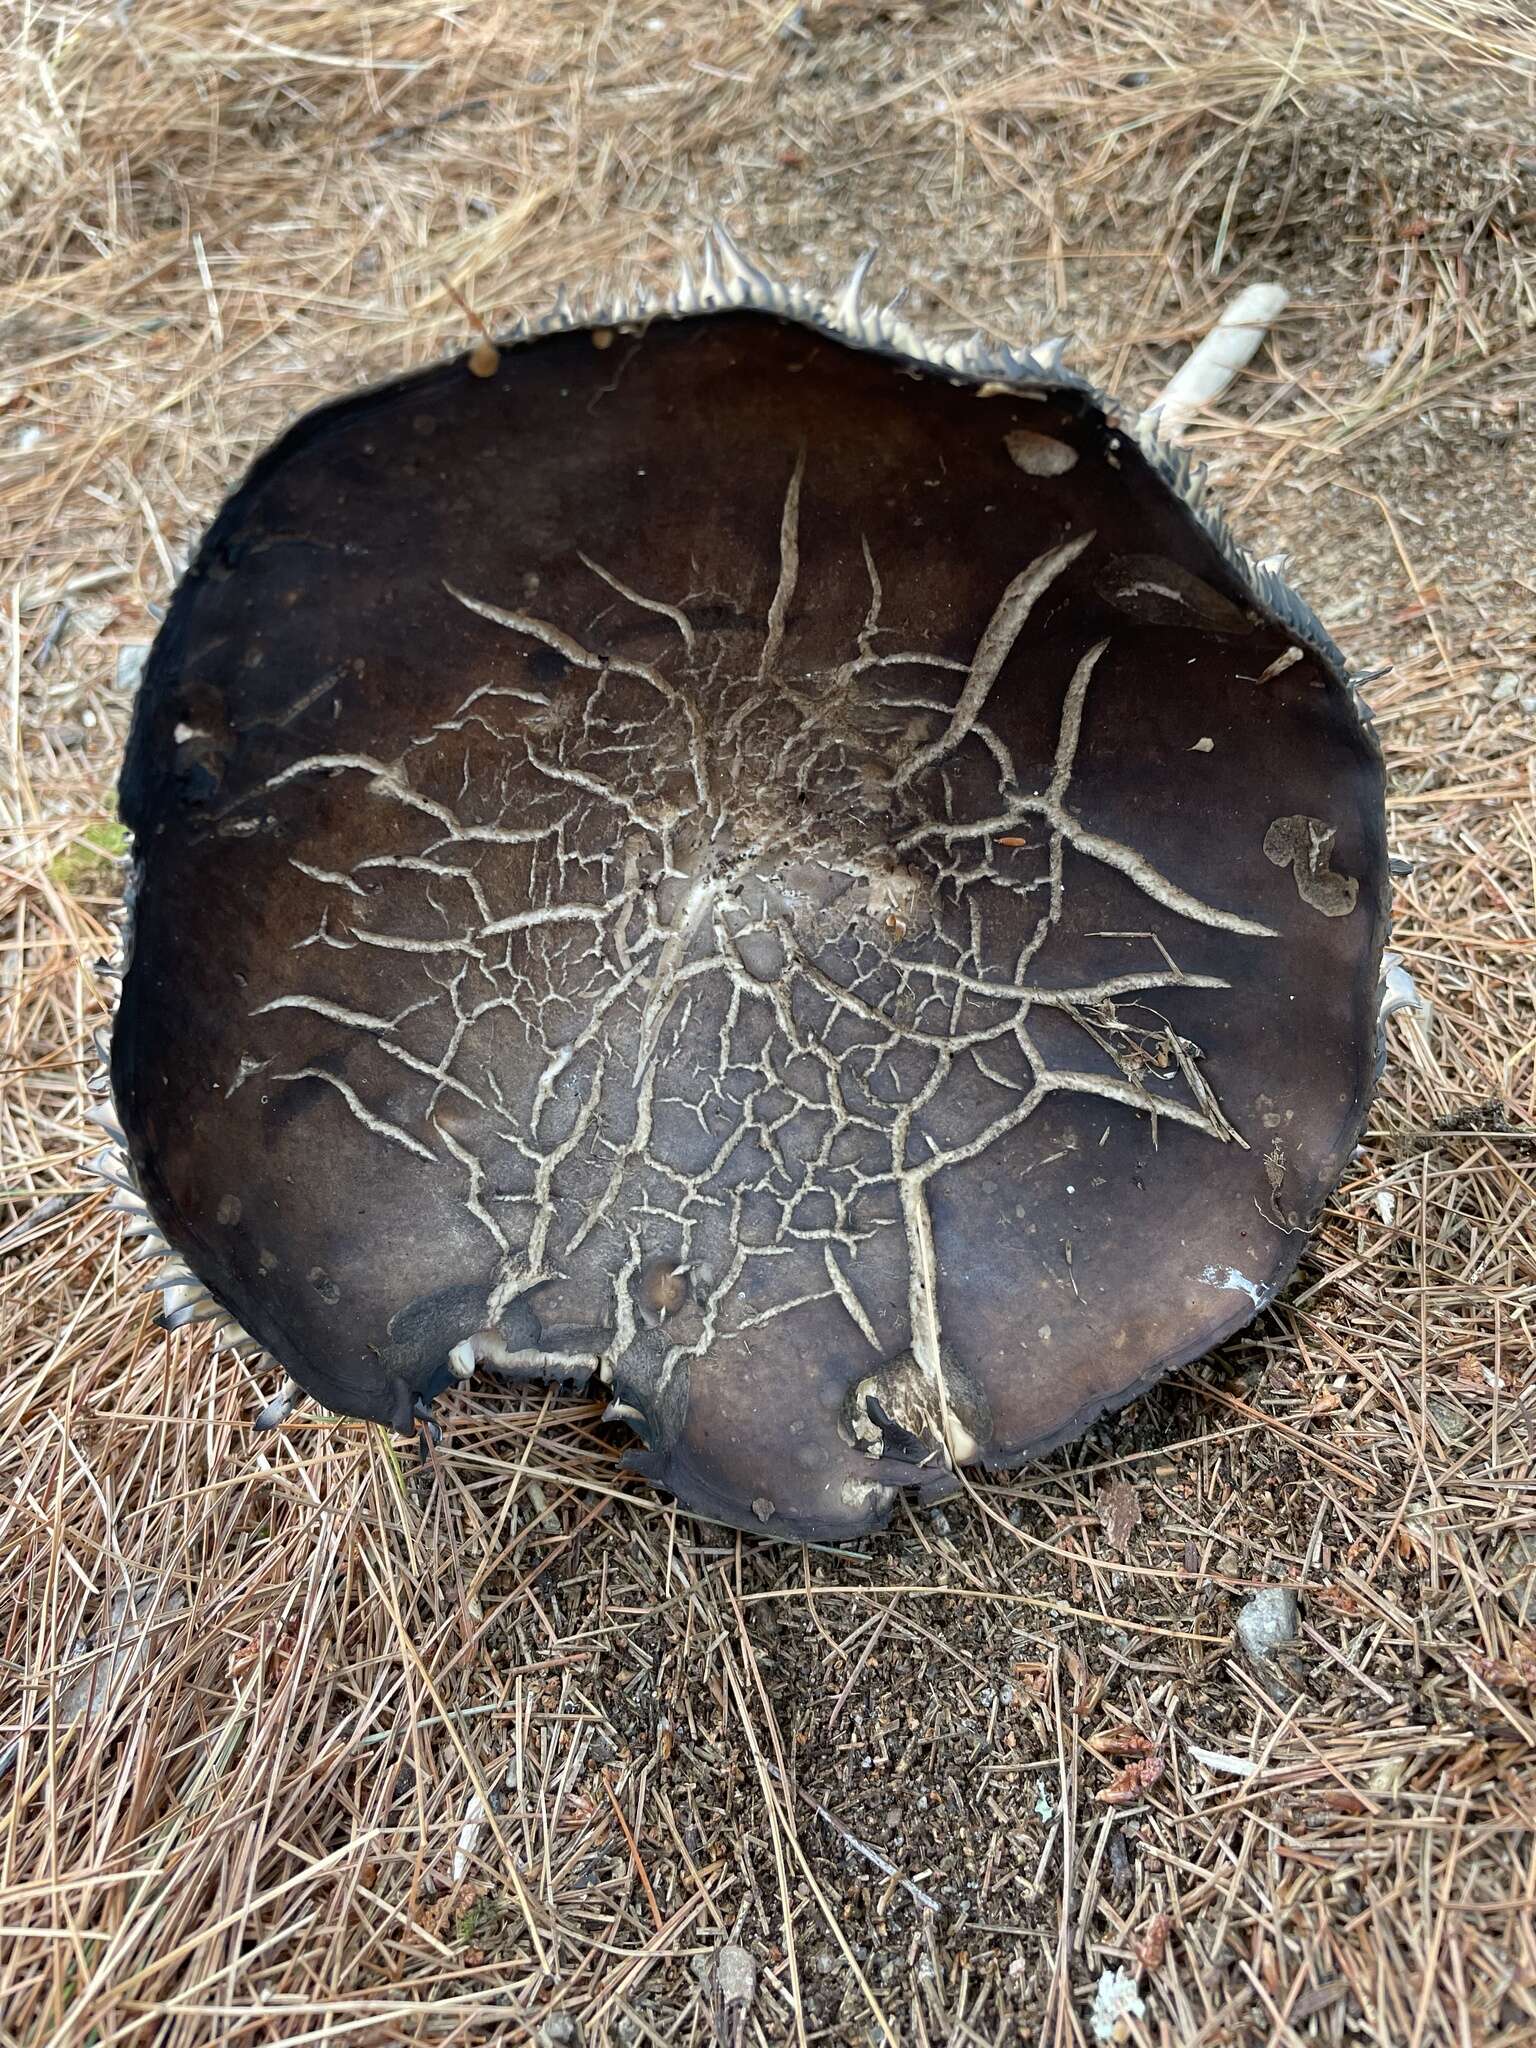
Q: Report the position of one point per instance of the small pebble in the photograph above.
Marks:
(1268, 1621)
(732, 1982)
(1450, 1418)
(130, 665)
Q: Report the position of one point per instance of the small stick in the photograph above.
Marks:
(1213, 363)
(634, 1852)
(484, 358)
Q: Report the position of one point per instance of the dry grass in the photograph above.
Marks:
(254, 1685)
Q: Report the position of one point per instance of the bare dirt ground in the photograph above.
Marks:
(955, 1785)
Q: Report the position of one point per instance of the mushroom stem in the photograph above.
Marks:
(1213, 363)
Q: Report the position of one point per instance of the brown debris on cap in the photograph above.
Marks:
(696, 859)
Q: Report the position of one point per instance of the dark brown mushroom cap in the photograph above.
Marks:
(807, 883)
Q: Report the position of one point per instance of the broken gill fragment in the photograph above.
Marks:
(721, 864)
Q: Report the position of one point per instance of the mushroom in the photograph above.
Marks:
(732, 852)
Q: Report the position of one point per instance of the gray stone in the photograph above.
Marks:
(1267, 1622)
(130, 665)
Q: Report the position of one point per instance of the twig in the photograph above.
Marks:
(1213, 363)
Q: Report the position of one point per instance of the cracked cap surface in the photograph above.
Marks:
(722, 860)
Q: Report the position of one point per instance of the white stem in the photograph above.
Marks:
(1214, 362)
